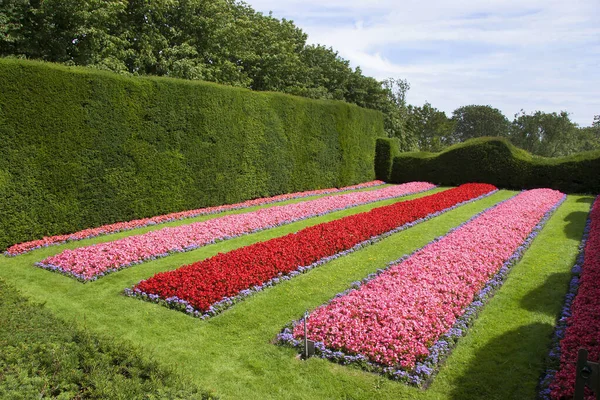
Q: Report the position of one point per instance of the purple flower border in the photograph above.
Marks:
(83, 279)
(553, 361)
(227, 302)
(199, 213)
(424, 372)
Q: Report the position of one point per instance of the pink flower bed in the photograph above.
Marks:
(580, 325)
(394, 319)
(88, 263)
(160, 219)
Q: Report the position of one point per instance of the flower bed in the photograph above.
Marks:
(91, 262)
(404, 320)
(139, 223)
(207, 287)
(579, 325)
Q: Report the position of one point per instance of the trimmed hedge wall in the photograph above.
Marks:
(385, 151)
(497, 161)
(82, 148)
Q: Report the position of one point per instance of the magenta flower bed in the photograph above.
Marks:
(205, 288)
(394, 321)
(91, 262)
(139, 223)
(579, 325)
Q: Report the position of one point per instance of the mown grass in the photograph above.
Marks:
(232, 355)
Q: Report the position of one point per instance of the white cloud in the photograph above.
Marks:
(511, 54)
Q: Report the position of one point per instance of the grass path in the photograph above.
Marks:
(231, 354)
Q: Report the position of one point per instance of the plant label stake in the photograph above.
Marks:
(588, 374)
(309, 345)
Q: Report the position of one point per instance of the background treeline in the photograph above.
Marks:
(226, 41)
(540, 133)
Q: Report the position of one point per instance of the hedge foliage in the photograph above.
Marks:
(385, 151)
(82, 148)
(497, 161)
(43, 357)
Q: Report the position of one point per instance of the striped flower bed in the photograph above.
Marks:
(46, 241)
(91, 262)
(579, 325)
(207, 287)
(404, 320)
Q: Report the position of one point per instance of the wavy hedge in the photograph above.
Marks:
(497, 161)
(81, 148)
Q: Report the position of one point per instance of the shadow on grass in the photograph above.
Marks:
(506, 366)
(541, 298)
(576, 220)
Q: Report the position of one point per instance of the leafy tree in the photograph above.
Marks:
(432, 128)
(589, 137)
(475, 121)
(545, 134)
(396, 113)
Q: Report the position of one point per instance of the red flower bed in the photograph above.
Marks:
(583, 326)
(197, 288)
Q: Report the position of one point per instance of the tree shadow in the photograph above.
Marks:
(507, 367)
(588, 200)
(543, 298)
(576, 223)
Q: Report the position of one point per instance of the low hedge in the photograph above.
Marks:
(497, 161)
(82, 148)
(44, 357)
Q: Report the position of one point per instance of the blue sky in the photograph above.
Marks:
(529, 54)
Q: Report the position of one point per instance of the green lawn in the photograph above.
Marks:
(232, 356)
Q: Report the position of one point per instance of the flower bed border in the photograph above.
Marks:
(424, 371)
(82, 278)
(553, 361)
(144, 222)
(216, 308)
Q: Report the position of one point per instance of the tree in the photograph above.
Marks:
(431, 127)
(589, 136)
(546, 134)
(476, 121)
(396, 114)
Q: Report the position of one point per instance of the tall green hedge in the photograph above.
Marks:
(498, 162)
(385, 151)
(81, 148)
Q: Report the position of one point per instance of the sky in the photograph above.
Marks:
(511, 54)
